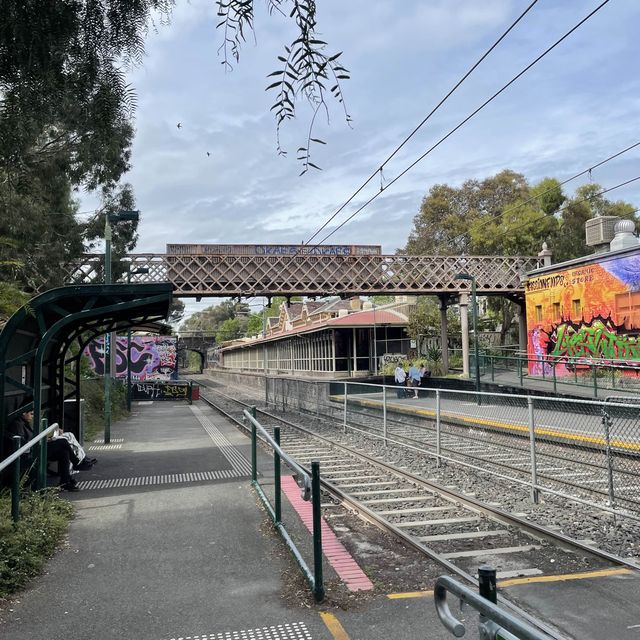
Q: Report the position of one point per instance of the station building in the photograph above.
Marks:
(334, 339)
(587, 311)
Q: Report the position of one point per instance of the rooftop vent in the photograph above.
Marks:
(600, 230)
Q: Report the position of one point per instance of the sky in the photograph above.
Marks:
(576, 107)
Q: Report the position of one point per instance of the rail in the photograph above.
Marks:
(310, 491)
(494, 623)
(594, 373)
(14, 459)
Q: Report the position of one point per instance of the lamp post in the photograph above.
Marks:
(119, 216)
(130, 273)
(474, 320)
(375, 345)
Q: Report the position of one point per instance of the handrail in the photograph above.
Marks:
(310, 492)
(496, 621)
(300, 472)
(26, 447)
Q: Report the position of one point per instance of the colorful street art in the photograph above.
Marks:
(590, 312)
(152, 357)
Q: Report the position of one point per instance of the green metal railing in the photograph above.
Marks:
(592, 373)
(40, 465)
(310, 490)
(494, 623)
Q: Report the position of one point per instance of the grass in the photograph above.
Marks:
(26, 546)
(92, 391)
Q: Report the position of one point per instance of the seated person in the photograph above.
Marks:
(58, 450)
(84, 461)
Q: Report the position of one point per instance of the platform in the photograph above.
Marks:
(169, 543)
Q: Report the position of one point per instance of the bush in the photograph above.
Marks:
(26, 546)
(92, 390)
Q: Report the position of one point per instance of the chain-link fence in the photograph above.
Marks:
(587, 450)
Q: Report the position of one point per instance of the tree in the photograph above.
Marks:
(209, 320)
(230, 329)
(587, 203)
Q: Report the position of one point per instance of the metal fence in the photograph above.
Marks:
(599, 375)
(581, 449)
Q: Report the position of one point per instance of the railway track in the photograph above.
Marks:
(455, 530)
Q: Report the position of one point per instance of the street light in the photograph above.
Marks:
(118, 216)
(474, 319)
(131, 272)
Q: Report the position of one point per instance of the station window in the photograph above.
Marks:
(628, 308)
(576, 309)
(538, 313)
(556, 311)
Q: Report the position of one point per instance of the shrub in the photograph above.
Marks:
(26, 546)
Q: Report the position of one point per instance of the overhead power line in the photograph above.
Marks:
(519, 205)
(417, 128)
(561, 209)
(469, 117)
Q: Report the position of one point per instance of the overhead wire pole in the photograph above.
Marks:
(465, 120)
(424, 121)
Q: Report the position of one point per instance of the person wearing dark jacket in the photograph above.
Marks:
(58, 450)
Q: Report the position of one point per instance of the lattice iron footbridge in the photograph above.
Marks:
(231, 275)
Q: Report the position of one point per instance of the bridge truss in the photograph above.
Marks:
(259, 275)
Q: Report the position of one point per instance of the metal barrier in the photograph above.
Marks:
(584, 450)
(586, 372)
(14, 459)
(494, 623)
(310, 491)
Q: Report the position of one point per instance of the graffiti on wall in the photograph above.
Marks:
(601, 338)
(152, 357)
(585, 313)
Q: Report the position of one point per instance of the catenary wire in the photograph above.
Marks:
(463, 122)
(539, 195)
(419, 126)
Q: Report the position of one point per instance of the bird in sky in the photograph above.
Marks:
(208, 154)
(179, 125)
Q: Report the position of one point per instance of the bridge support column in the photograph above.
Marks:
(464, 324)
(522, 327)
(444, 342)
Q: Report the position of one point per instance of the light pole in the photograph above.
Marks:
(109, 218)
(130, 273)
(474, 320)
(375, 345)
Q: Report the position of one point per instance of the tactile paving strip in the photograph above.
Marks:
(169, 478)
(104, 447)
(235, 458)
(292, 631)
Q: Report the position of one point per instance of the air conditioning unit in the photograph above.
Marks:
(600, 230)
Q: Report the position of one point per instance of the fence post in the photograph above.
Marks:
(254, 448)
(15, 489)
(190, 391)
(438, 460)
(487, 583)
(606, 423)
(276, 477)
(318, 586)
(520, 369)
(553, 364)
(595, 381)
(344, 410)
(42, 457)
(493, 369)
(532, 446)
(317, 399)
(384, 415)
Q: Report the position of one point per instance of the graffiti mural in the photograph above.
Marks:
(152, 357)
(590, 312)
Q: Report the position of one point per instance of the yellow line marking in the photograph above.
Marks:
(409, 594)
(333, 624)
(601, 573)
(578, 437)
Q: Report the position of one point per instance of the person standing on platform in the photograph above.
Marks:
(414, 378)
(400, 377)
